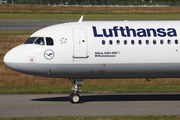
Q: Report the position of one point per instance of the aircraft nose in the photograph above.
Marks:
(11, 60)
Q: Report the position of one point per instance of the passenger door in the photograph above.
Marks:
(80, 43)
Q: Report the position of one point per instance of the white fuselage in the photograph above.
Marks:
(109, 49)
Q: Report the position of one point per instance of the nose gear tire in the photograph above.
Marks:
(74, 98)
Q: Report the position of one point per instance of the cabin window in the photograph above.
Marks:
(110, 42)
(40, 41)
(161, 41)
(140, 42)
(147, 42)
(176, 41)
(118, 42)
(154, 42)
(125, 42)
(30, 40)
(103, 42)
(49, 41)
(132, 42)
(169, 42)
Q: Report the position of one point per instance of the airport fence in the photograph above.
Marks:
(96, 2)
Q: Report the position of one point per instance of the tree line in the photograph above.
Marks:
(94, 2)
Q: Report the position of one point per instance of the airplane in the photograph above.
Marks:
(100, 49)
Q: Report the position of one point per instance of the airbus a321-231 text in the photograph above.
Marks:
(100, 49)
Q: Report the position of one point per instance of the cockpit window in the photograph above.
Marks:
(49, 41)
(30, 40)
(40, 41)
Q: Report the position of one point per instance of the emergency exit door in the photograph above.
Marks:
(80, 43)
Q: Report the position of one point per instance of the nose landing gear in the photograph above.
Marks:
(74, 97)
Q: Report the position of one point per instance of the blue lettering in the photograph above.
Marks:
(130, 32)
(115, 31)
(161, 32)
(149, 32)
(141, 32)
(172, 32)
(122, 31)
(95, 32)
(106, 35)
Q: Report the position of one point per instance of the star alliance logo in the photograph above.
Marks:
(49, 54)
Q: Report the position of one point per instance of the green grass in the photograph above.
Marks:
(49, 9)
(9, 16)
(150, 117)
(16, 32)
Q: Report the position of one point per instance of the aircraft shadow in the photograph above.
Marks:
(108, 98)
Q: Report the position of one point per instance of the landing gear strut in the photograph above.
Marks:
(74, 97)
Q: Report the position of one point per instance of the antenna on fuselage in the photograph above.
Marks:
(81, 19)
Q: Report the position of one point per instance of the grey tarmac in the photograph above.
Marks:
(28, 24)
(92, 104)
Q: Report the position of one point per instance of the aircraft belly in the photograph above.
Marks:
(128, 70)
